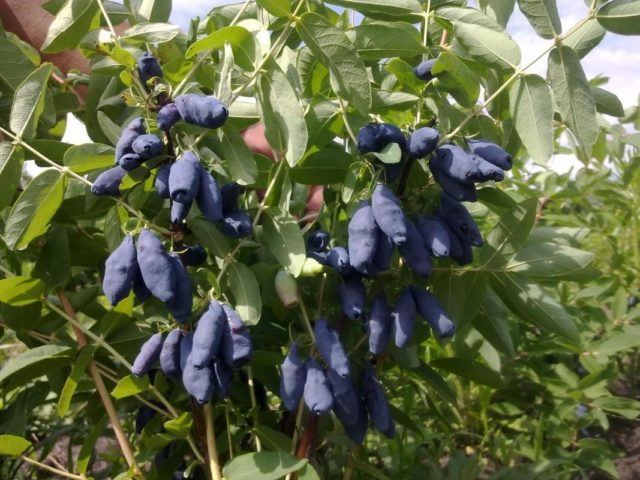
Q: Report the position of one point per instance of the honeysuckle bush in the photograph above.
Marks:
(544, 355)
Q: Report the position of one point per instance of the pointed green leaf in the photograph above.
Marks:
(28, 102)
(246, 292)
(34, 209)
(240, 39)
(239, 158)
(586, 37)
(10, 170)
(573, 96)
(607, 102)
(89, 157)
(277, 8)
(377, 40)
(543, 16)
(498, 10)
(181, 426)
(282, 114)
(457, 79)
(471, 370)
(392, 8)
(33, 363)
(470, 16)
(209, 235)
(493, 48)
(285, 240)
(13, 72)
(349, 77)
(324, 167)
(531, 105)
(264, 465)
(130, 385)
(531, 303)
(551, 260)
(73, 379)
(72, 23)
(495, 329)
(151, 32)
(151, 10)
(12, 445)
(20, 290)
(620, 16)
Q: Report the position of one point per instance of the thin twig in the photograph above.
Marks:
(254, 406)
(51, 469)
(212, 449)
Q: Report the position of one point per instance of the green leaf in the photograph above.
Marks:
(28, 102)
(531, 105)
(282, 113)
(240, 39)
(239, 158)
(324, 167)
(15, 70)
(349, 77)
(151, 10)
(35, 362)
(54, 261)
(130, 385)
(151, 32)
(607, 103)
(586, 37)
(573, 96)
(12, 445)
(392, 8)
(531, 303)
(626, 407)
(551, 260)
(89, 443)
(272, 439)
(88, 157)
(469, 15)
(73, 379)
(620, 16)
(391, 154)
(246, 292)
(277, 8)
(471, 370)
(181, 426)
(495, 329)
(457, 79)
(262, 466)
(447, 288)
(34, 209)
(385, 101)
(488, 46)
(71, 24)
(498, 10)
(11, 159)
(509, 234)
(377, 40)
(20, 290)
(284, 238)
(210, 236)
(615, 343)
(404, 73)
(543, 16)
(433, 378)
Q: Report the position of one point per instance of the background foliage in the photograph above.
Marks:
(544, 361)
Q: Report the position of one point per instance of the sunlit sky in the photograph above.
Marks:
(617, 57)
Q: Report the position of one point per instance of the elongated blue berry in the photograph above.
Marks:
(230, 193)
(423, 69)
(162, 181)
(404, 318)
(389, 133)
(180, 307)
(388, 214)
(194, 256)
(456, 163)
(487, 171)
(352, 295)
(119, 271)
(463, 192)
(130, 161)
(179, 211)
(384, 252)
(208, 334)
(318, 241)
(368, 138)
(379, 324)
(236, 347)
(293, 374)
(132, 131)
(143, 417)
(186, 347)
(492, 153)
(184, 178)
(198, 382)
(168, 116)
(347, 402)
(108, 182)
(148, 67)
(330, 347)
(209, 198)
(201, 110)
(377, 403)
(422, 142)
(459, 220)
(140, 290)
(156, 266)
(435, 236)
(317, 394)
(338, 259)
(363, 239)
(147, 146)
(414, 251)
(455, 244)
(431, 310)
(170, 354)
(149, 354)
(223, 376)
(237, 224)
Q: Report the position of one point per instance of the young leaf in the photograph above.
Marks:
(620, 16)
(277, 8)
(543, 16)
(28, 102)
(240, 39)
(573, 96)
(607, 103)
(284, 238)
(264, 465)
(10, 168)
(130, 385)
(34, 209)
(12, 445)
(71, 383)
(20, 290)
(531, 105)
(72, 23)
(349, 77)
(283, 114)
(246, 292)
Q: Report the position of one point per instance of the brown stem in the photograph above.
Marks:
(121, 438)
(443, 39)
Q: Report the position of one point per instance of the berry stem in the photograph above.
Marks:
(212, 449)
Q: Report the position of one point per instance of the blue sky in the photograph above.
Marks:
(617, 57)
